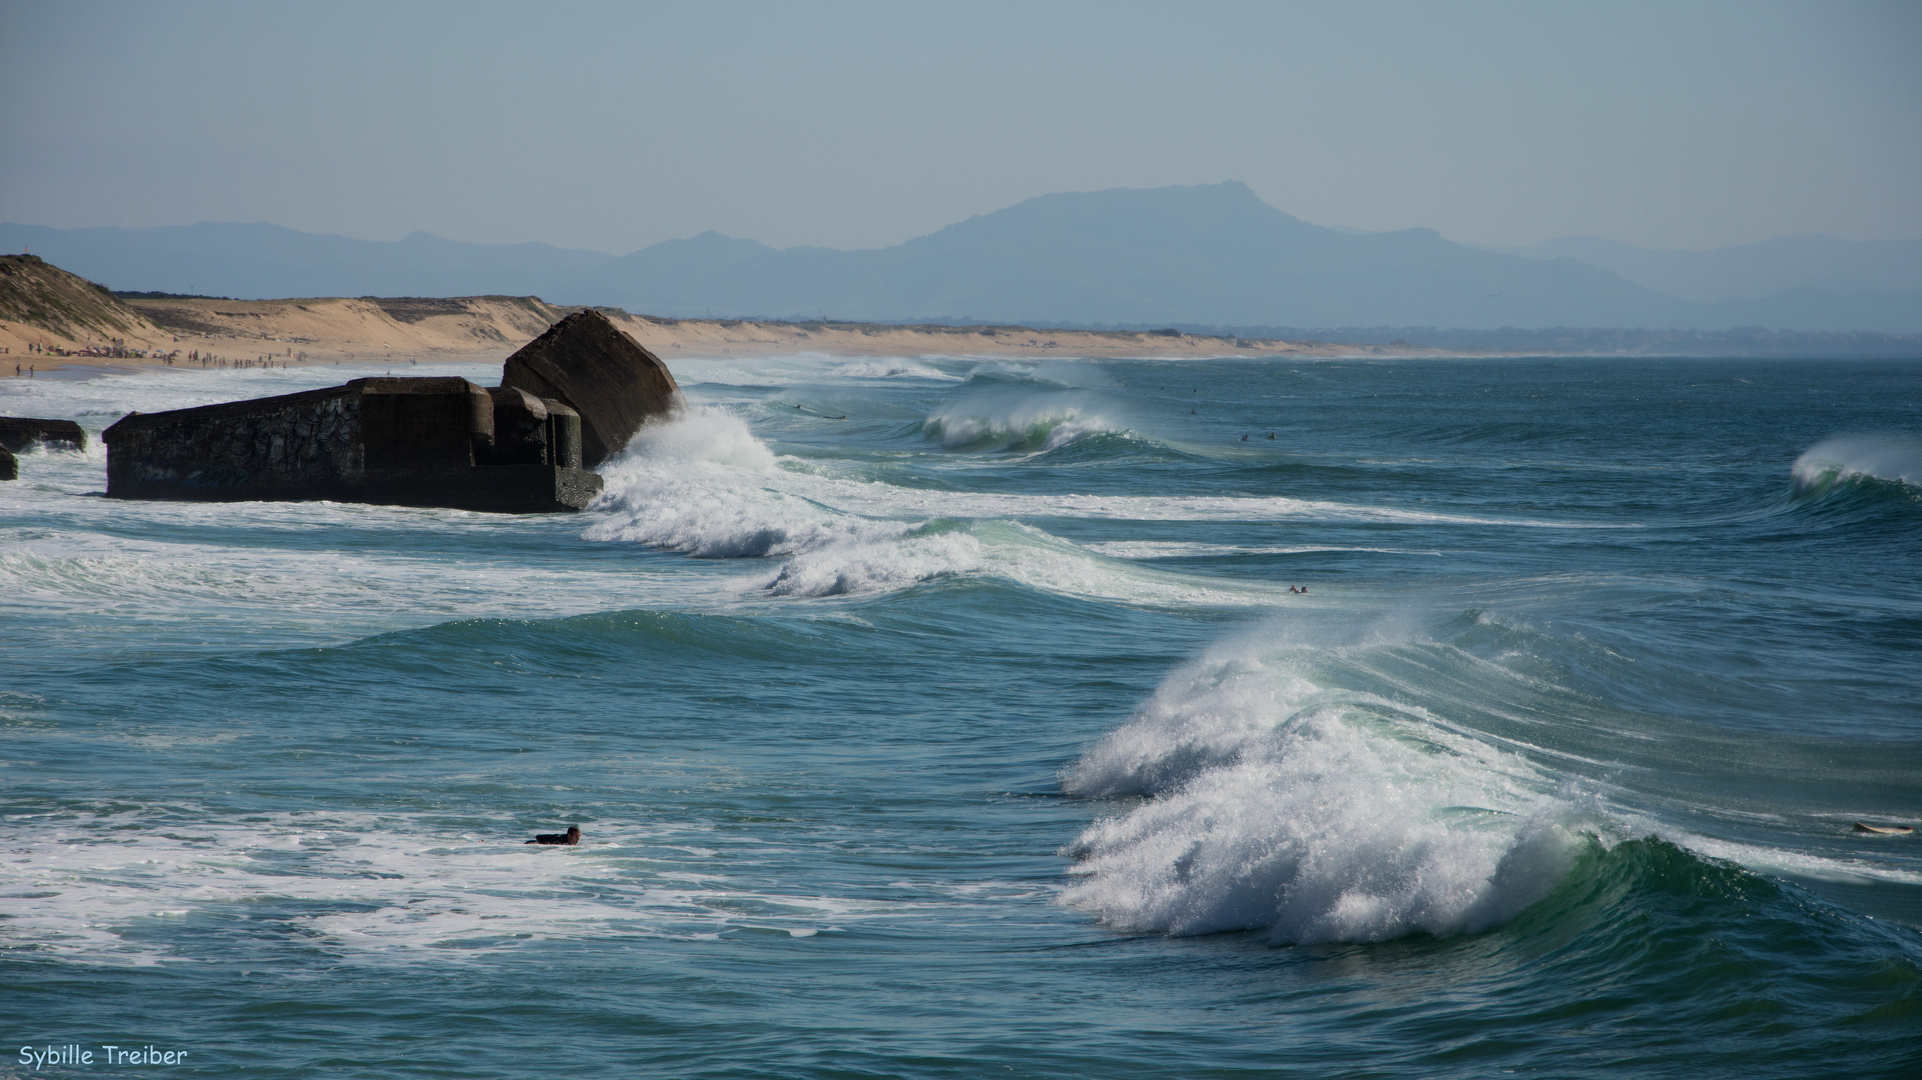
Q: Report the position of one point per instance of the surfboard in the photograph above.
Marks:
(1884, 830)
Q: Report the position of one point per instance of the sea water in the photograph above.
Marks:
(946, 717)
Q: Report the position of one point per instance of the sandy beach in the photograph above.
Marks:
(245, 333)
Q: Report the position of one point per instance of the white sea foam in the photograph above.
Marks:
(705, 485)
(710, 450)
(804, 367)
(1280, 803)
(877, 498)
(1895, 458)
(302, 593)
(103, 889)
(1180, 549)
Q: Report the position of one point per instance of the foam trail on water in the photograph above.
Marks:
(1280, 802)
(85, 888)
(1894, 458)
(877, 498)
(1176, 549)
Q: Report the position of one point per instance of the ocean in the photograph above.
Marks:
(943, 717)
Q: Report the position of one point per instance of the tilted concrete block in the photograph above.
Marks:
(598, 370)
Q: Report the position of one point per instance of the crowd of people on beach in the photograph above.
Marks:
(118, 351)
(113, 350)
(210, 360)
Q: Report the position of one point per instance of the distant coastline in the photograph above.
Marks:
(50, 318)
(204, 331)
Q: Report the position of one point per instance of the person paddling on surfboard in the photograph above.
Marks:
(571, 837)
(1883, 830)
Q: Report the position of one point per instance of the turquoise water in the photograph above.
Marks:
(980, 733)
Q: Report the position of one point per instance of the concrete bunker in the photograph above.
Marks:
(17, 433)
(569, 400)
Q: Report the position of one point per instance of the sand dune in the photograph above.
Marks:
(151, 330)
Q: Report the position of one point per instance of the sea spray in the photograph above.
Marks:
(1890, 458)
(1279, 803)
(1020, 420)
(705, 485)
(892, 368)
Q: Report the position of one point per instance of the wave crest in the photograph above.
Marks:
(892, 368)
(1316, 814)
(703, 484)
(1022, 421)
(1890, 458)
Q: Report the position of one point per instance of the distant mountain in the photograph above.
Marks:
(1749, 271)
(1210, 255)
(260, 261)
(1207, 255)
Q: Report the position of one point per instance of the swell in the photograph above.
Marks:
(1861, 480)
(1319, 782)
(1890, 459)
(1648, 947)
(1312, 812)
(1020, 421)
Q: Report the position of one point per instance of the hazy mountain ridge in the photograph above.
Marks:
(1748, 271)
(1207, 255)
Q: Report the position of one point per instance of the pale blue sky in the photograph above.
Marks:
(856, 125)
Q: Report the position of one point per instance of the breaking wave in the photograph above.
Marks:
(1895, 459)
(1282, 803)
(892, 368)
(704, 485)
(1022, 421)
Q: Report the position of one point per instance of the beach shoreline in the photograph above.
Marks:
(202, 332)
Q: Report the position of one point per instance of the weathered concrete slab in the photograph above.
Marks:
(424, 422)
(9, 465)
(19, 432)
(598, 370)
(520, 428)
(533, 431)
(404, 442)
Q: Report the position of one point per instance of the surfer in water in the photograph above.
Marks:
(571, 837)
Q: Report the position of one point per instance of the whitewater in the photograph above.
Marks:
(936, 716)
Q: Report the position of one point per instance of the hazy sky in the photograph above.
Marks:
(859, 125)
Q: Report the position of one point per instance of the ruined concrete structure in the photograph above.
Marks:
(404, 442)
(19, 432)
(607, 376)
(569, 399)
